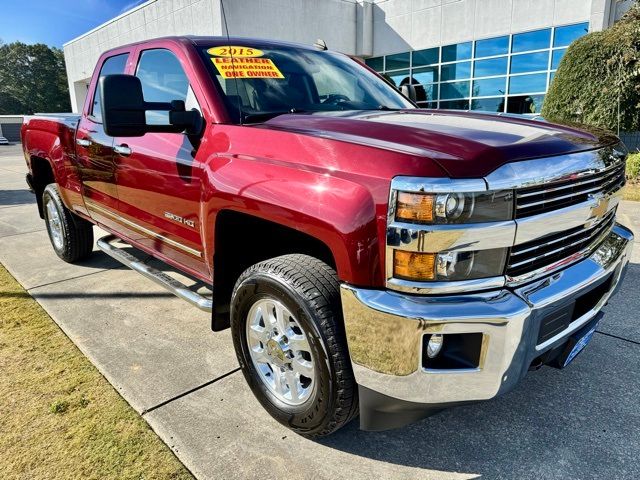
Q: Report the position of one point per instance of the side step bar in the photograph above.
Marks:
(180, 290)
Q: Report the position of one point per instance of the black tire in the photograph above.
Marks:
(309, 289)
(77, 233)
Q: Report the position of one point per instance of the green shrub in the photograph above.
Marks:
(599, 72)
(633, 167)
(59, 406)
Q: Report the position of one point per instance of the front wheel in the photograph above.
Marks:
(71, 236)
(289, 337)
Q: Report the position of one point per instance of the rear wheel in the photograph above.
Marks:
(71, 236)
(289, 337)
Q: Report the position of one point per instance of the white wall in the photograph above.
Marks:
(301, 21)
(293, 20)
(401, 25)
(154, 18)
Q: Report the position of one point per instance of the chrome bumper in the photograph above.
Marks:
(385, 329)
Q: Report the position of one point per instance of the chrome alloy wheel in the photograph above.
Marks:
(280, 351)
(55, 224)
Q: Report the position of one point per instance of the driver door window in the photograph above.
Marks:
(163, 80)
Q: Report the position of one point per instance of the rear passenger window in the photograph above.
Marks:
(111, 66)
(163, 80)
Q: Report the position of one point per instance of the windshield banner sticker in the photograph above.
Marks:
(243, 62)
(236, 52)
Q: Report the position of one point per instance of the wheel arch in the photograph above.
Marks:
(236, 249)
(41, 175)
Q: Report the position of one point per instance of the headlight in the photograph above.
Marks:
(455, 207)
(448, 266)
(443, 232)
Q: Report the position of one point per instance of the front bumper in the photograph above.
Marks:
(385, 330)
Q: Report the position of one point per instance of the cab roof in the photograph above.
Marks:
(212, 41)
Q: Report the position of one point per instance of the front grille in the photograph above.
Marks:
(541, 252)
(553, 196)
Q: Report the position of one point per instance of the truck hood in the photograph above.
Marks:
(463, 144)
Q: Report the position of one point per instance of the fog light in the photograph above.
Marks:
(435, 345)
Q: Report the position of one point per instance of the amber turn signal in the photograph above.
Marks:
(414, 266)
(414, 207)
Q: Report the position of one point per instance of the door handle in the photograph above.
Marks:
(123, 150)
(83, 142)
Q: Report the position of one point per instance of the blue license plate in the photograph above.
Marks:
(580, 344)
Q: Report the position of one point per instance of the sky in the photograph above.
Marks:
(55, 22)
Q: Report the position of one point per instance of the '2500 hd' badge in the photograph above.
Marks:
(179, 219)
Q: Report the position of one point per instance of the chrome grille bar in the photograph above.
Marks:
(544, 198)
(544, 251)
(591, 179)
(565, 235)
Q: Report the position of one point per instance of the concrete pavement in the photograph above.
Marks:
(163, 358)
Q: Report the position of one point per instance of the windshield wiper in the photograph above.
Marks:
(264, 116)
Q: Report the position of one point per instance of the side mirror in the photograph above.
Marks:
(124, 110)
(409, 91)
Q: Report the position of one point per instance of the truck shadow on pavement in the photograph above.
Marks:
(580, 422)
(10, 198)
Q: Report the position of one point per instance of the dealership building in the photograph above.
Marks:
(490, 55)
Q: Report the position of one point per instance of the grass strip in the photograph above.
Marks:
(59, 417)
(631, 191)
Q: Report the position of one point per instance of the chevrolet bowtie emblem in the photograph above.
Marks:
(601, 208)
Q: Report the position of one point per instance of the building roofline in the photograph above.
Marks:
(114, 19)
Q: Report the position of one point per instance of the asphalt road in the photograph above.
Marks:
(160, 354)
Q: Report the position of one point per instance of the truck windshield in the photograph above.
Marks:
(259, 84)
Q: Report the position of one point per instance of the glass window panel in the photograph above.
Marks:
(488, 104)
(530, 62)
(525, 104)
(491, 67)
(460, 51)
(492, 46)
(399, 60)
(425, 75)
(557, 56)
(528, 83)
(551, 77)
(163, 80)
(455, 105)
(162, 77)
(454, 90)
(455, 71)
(427, 92)
(565, 35)
(489, 87)
(537, 40)
(111, 65)
(425, 57)
(398, 78)
(376, 63)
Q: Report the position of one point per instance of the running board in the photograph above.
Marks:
(179, 289)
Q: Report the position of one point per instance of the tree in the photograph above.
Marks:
(32, 79)
(598, 80)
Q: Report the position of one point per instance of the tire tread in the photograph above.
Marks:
(78, 233)
(318, 284)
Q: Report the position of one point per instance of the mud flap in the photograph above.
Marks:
(381, 412)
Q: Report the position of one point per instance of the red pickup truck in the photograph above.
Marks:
(369, 256)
